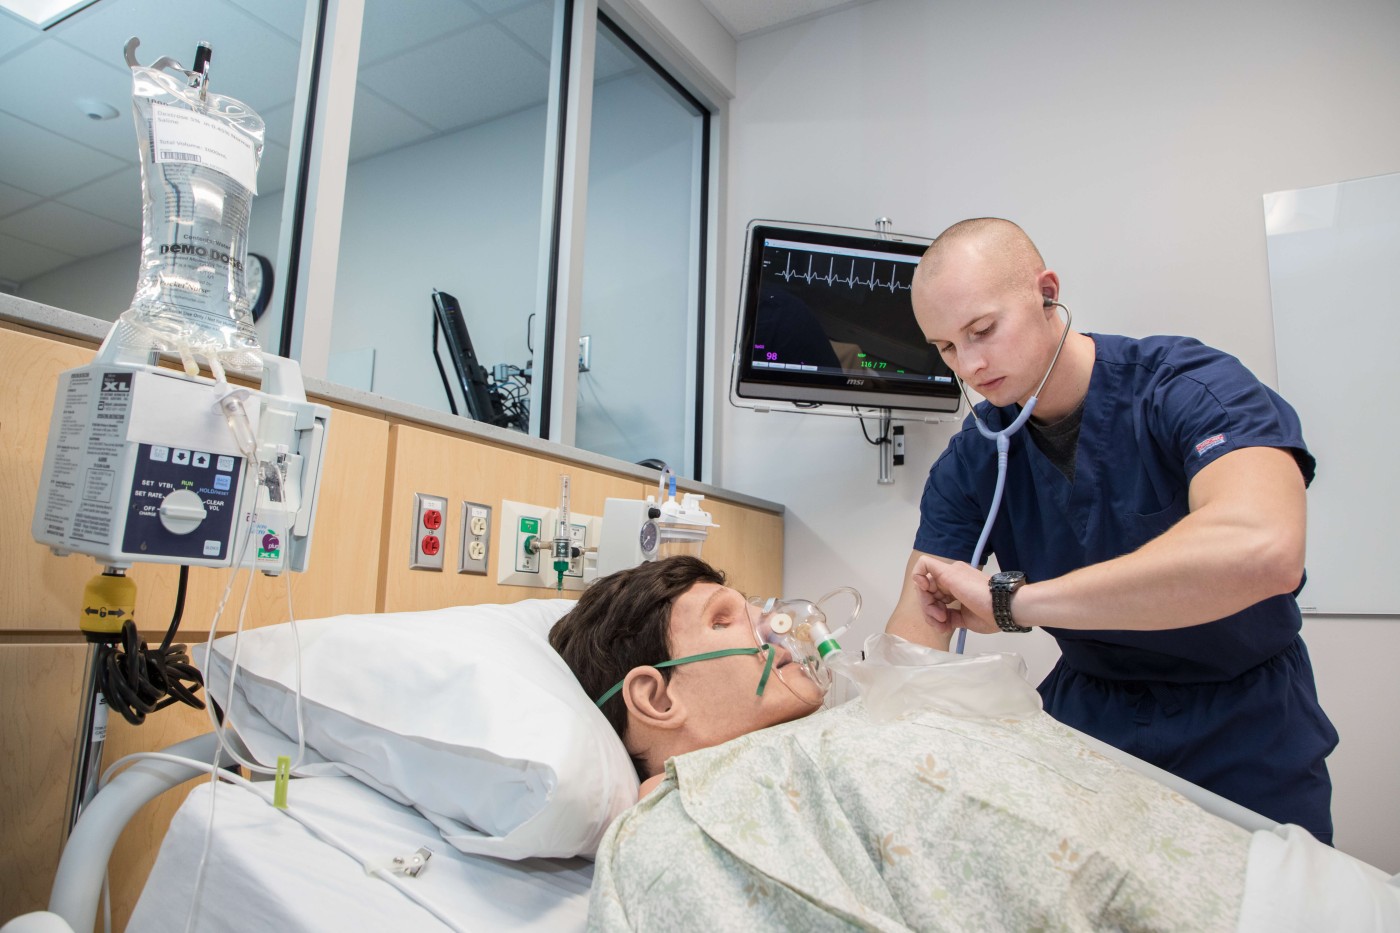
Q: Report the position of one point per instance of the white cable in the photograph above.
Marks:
(255, 473)
(319, 832)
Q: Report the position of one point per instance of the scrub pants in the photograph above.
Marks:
(1260, 740)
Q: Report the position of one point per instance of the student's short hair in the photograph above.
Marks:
(624, 621)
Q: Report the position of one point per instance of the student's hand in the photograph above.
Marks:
(954, 595)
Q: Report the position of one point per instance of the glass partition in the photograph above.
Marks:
(642, 262)
(70, 186)
(444, 189)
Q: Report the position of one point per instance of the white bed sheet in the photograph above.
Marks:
(267, 871)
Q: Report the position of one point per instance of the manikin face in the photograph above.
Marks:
(990, 327)
(720, 693)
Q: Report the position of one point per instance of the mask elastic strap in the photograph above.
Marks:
(707, 656)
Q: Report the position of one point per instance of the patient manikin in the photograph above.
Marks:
(787, 633)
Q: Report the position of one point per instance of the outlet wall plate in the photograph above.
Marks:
(429, 545)
(475, 556)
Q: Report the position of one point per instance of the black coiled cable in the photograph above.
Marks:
(137, 680)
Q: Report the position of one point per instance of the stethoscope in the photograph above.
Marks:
(1003, 442)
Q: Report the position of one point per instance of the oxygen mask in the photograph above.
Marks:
(801, 634)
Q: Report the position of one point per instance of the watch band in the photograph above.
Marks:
(1004, 585)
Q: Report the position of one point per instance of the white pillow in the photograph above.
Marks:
(466, 713)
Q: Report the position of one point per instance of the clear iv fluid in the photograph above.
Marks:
(199, 157)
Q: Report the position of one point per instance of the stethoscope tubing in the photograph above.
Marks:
(1003, 442)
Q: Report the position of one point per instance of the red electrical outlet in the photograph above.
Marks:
(429, 514)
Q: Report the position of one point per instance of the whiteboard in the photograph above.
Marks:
(1334, 254)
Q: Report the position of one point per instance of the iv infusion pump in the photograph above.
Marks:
(149, 465)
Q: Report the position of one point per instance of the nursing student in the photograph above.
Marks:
(1152, 522)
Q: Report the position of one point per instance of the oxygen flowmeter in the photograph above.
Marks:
(149, 465)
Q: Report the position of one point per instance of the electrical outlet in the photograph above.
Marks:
(429, 515)
(476, 538)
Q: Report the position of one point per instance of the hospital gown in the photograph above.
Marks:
(928, 822)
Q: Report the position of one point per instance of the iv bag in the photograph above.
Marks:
(199, 165)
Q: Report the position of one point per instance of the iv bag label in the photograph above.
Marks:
(190, 138)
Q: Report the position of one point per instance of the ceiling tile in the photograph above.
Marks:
(279, 124)
(390, 28)
(15, 32)
(497, 7)
(611, 58)
(286, 16)
(20, 260)
(533, 25)
(44, 83)
(116, 197)
(252, 62)
(463, 79)
(47, 164)
(272, 170)
(13, 199)
(380, 126)
(68, 230)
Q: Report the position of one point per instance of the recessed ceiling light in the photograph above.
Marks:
(95, 109)
(45, 13)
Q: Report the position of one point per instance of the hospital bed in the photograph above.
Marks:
(328, 861)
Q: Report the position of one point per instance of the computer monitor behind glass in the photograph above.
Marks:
(825, 318)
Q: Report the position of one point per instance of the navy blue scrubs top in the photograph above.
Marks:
(1229, 704)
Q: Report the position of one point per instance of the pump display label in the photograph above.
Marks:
(160, 471)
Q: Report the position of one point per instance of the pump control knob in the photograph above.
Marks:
(182, 512)
(653, 513)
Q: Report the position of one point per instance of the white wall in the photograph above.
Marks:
(1134, 143)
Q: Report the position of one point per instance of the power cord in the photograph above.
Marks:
(136, 680)
(883, 439)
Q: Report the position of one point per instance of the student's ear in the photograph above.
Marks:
(650, 700)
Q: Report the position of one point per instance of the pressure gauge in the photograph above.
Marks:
(648, 537)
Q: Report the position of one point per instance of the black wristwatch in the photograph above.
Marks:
(1004, 585)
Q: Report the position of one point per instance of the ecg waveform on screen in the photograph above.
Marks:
(849, 274)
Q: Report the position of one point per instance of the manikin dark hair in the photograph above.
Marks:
(624, 621)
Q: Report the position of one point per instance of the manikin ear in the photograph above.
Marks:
(650, 701)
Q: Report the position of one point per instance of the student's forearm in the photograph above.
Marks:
(1242, 542)
(1194, 573)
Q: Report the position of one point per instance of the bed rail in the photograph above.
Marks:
(77, 887)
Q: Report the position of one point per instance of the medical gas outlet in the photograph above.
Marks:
(525, 541)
